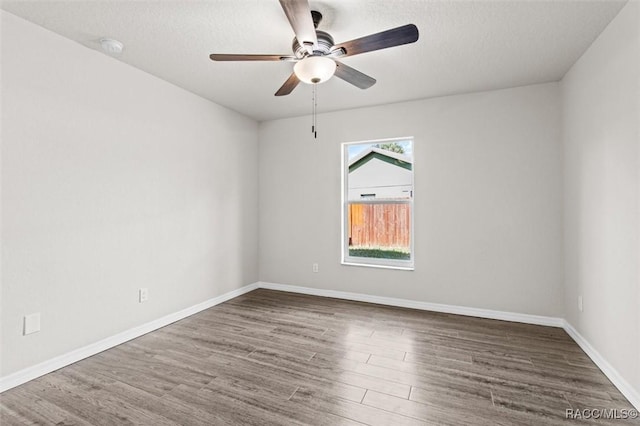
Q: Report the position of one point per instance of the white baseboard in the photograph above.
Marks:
(612, 374)
(58, 362)
(425, 306)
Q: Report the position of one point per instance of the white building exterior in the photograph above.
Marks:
(380, 174)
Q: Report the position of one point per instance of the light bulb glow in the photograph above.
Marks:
(314, 69)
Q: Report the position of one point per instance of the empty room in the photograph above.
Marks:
(298, 212)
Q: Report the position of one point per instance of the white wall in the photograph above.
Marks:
(601, 96)
(113, 180)
(488, 200)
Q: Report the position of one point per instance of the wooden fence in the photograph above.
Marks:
(379, 225)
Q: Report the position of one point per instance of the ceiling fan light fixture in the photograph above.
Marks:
(315, 69)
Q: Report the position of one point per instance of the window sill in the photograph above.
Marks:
(377, 265)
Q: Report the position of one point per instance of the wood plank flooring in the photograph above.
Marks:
(275, 358)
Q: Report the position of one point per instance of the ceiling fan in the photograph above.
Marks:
(315, 53)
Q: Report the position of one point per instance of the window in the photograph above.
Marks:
(377, 200)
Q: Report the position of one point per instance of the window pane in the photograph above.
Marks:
(381, 231)
(378, 203)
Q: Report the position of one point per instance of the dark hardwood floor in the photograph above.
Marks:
(274, 358)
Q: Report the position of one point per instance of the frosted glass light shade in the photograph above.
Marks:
(314, 69)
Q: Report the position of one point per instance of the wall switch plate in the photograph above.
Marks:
(315, 267)
(143, 295)
(31, 323)
(580, 304)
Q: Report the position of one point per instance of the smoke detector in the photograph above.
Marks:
(111, 47)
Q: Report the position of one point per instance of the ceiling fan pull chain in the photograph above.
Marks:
(314, 111)
(313, 118)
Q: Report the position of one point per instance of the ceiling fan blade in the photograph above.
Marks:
(353, 76)
(228, 57)
(299, 15)
(382, 40)
(288, 85)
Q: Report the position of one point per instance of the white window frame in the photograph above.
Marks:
(407, 265)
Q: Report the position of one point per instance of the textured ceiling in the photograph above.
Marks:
(464, 46)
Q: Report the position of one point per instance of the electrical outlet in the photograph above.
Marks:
(31, 323)
(315, 267)
(143, 295)
(580, 304)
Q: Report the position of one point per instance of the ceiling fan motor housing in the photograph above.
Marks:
(325, 43)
